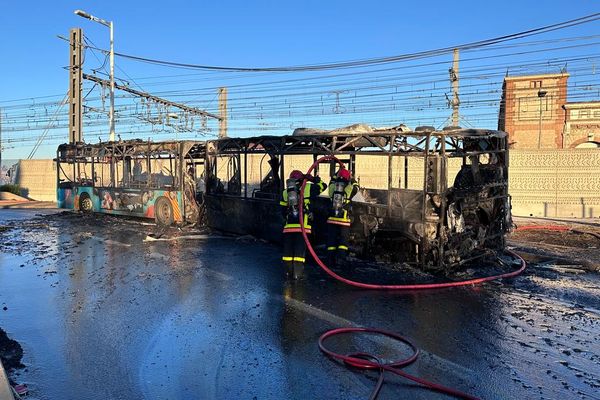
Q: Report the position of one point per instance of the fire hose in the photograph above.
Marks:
(369, 362)
(555, 228)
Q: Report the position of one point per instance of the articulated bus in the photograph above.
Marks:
(432, 199)
(134, 177)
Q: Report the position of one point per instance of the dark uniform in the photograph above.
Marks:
(294, 247)
(341, 192)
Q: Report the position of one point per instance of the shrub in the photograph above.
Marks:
(15, 189)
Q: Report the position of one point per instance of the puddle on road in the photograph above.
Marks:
(95, 281)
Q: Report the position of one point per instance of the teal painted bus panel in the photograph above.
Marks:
(134, 202)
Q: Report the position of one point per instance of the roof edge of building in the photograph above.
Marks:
(581, 104)
(540, 76)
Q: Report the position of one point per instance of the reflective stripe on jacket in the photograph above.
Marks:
(350, 191)
(292, 224)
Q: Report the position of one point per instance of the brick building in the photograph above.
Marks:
(535, 113)
(582, 124)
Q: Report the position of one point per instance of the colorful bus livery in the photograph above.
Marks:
(142, 179)
(109, 201)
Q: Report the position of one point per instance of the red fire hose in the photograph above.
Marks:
(367, 361)
(391, 287)
(555, 228)
(558, 228)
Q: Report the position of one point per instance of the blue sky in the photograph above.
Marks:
(250, 33)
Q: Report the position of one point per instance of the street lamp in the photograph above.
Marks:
(109, 25)
(541, 94)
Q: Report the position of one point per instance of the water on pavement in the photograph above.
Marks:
(103, 314)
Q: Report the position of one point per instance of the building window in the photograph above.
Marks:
(536, 84)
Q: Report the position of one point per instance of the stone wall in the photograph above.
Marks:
(5, 391)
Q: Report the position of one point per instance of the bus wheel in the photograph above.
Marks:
(163, 211)
(85, 203)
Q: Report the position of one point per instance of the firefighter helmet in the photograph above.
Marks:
(295, 174)
(344, 174)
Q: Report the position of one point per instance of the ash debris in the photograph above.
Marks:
(11, 352)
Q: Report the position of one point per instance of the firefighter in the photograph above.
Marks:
(294, 248)
(341, 191)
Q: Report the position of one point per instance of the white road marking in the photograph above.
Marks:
(321, 314)
(215, 274)
(343, 322)
(194, 237)
(333, 319)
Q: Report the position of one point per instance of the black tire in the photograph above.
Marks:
(163, 212)
(85, 203)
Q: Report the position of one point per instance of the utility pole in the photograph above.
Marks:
(1, 172)
(112, 84)
(223, 112)
(111, 112)
(454, 80)
(75, 77)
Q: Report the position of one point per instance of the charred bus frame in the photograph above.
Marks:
(128, 178)
(435, 226)
(431, 224)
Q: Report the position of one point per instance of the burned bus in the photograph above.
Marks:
(432, 199)
(133, 177)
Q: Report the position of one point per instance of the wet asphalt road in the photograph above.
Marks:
(101, 314)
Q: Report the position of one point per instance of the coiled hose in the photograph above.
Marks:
(368, 361)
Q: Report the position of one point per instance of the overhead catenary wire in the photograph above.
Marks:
(407, 91)
(588, 86)
(379, 60)
(521, 44)
(304, 93)
(482, 70)
(354, 73)
(396, 68)
(43, 135)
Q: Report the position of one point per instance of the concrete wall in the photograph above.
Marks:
(37, 179)
(555, 183)
(543, 183)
